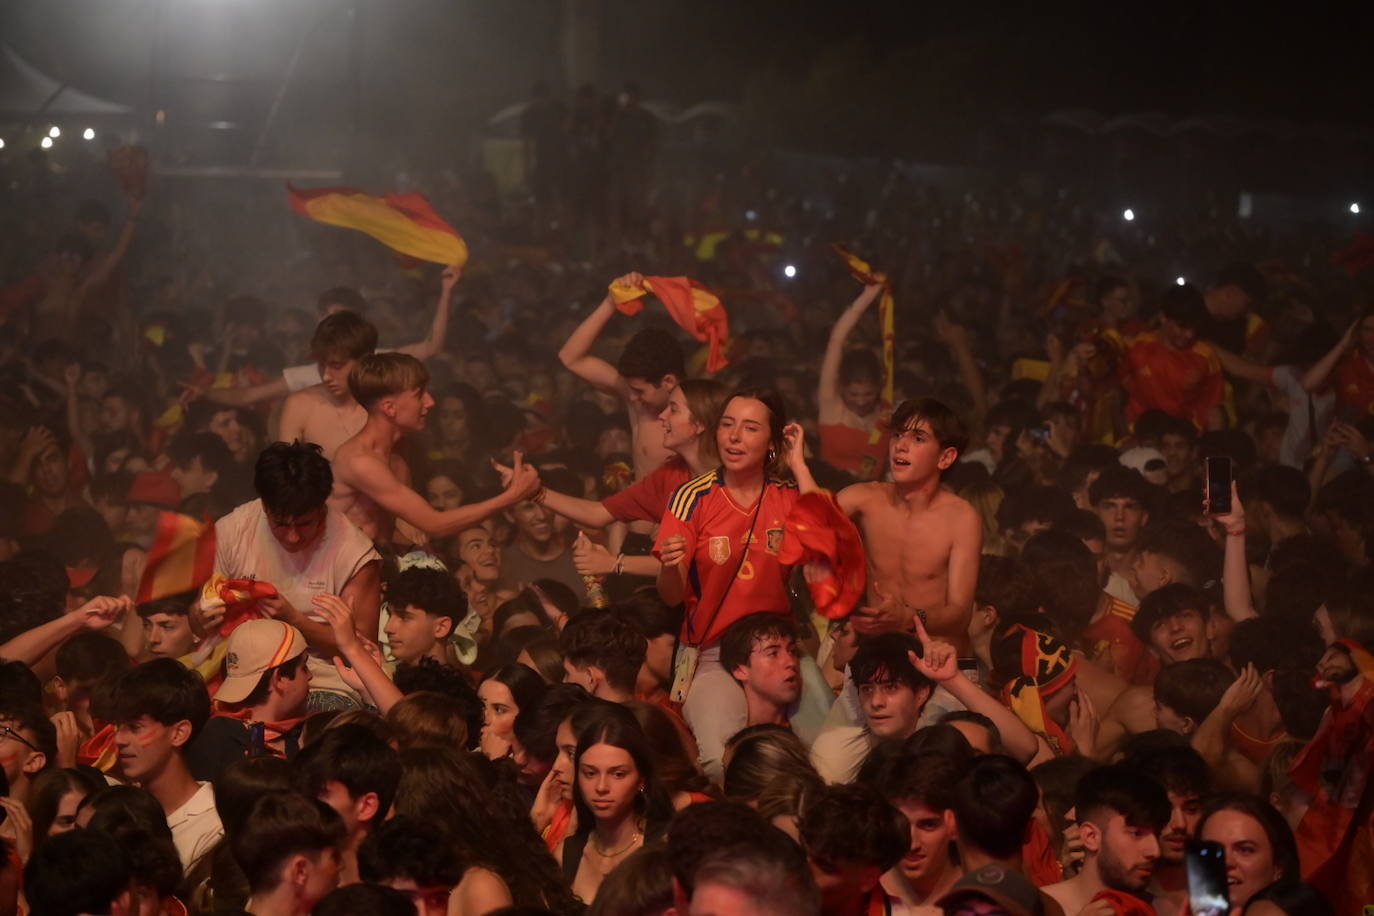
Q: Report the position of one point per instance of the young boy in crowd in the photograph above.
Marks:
(326, 414)
(650, 367)
(158, 709)
(261, 703)
(921, 787)
(354, 772)
(166, 626)
(852, 836)
(762, 654)
(425, 606)
(413, 858)
(603, 652)
(288, 849)
(291, 538)
(371, 483)
(923, 542)
(1121, 498)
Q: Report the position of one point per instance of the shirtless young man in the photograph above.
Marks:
(923, 542)
(327, 414)
(649, 369)
(332, 301)
(372, 483)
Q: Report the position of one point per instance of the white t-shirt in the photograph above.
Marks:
(245, 547)
(1305, 411)
(195, 826)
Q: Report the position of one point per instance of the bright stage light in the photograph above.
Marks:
(47, 143)
(55, 132)
(88, 134)
(1128, 215)
(789, 271)
(1354, 208)
(1180, 281)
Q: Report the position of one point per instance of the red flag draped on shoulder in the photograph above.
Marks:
(696, 309)
(866, 275)
(181, 559)
(402, 222)
(819, 535)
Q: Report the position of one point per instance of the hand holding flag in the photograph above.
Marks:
(696, 309)
(865, 274)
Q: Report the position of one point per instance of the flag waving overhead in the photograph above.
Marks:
(868, 276)
(181, 559)
(696, 309)
(402, 222)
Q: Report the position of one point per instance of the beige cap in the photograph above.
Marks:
(254, 647)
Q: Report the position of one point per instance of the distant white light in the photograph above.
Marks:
(54, 132)
(1354, 208)
(47, 143)
(88, 134)
(1180, 281)
(789, 271)
(751, 215)
(2, 144)
(1128, 215)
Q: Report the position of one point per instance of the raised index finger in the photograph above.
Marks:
(921, 633)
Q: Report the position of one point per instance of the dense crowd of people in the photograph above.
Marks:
(497, 601)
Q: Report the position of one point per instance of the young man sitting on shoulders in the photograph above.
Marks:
(923, 542)
(371, 481)
(762, 654)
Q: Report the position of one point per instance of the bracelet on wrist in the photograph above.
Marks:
(1235, 532)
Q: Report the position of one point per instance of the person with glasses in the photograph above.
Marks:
(28, 740)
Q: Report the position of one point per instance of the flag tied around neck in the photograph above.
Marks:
(402, 222)
(866, 275)
(696, 309)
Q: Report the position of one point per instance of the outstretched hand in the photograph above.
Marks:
(1244, 690)
(521, 481)
(103, 610)
(794, 444)
(633, 278)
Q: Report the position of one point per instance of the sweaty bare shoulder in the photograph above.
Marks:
(854, 498)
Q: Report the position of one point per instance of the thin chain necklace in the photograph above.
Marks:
(596, 844)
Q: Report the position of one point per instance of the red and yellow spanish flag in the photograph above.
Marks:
(181, 559)
(866, 275)
(820, 536)
(696, 309)
(402, 222)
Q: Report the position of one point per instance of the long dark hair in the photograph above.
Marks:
(618, 727)
(446, 789)
(777, 420)
(526, 686)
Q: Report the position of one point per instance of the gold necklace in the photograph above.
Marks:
(596, 845)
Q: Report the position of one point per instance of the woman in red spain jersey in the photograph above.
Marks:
(719, 544)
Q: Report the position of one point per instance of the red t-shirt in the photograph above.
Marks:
(1112, 643)
(1185, 383)
(717, 530)
(647, 500)
(1355, 383)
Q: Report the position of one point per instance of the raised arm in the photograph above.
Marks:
(372, 477)
(1235, 570)
(31, 645)
(354, 650)
(576, 356)
(438, 328)
(828, 397)
(116, 254)
(80, 435)
(940, 662)
(1315, 378)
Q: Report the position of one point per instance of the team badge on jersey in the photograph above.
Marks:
(720, 549)
(774, 542)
